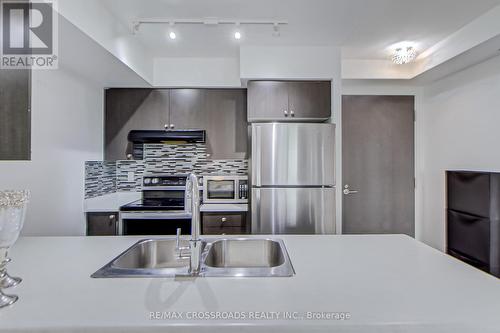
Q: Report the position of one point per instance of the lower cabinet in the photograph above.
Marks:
(225, 223)
(102, 224)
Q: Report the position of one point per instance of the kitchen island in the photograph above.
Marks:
(379, 283)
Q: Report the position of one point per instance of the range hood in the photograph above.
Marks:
(191, 136)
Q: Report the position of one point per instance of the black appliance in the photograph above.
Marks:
(164, 207)
(137, 139)
(473, 219)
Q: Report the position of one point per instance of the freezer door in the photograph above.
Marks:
(285, 154)
(293, 211)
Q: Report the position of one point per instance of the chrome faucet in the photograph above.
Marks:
(195, 243)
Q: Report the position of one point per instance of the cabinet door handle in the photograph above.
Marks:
(223, 220)
(286, 113)
(172, 126)
(167, 126)
(292, 113)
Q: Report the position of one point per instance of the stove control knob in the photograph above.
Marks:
(155, 181)
(147, 181)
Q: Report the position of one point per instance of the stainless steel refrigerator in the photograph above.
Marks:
(293, 178)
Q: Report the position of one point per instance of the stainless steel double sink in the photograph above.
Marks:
(232, 257)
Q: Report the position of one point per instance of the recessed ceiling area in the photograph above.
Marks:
(364, 29)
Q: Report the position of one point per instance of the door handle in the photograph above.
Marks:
(347, 191)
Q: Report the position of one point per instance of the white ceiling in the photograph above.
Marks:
(364, 28)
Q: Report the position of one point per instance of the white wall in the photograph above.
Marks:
(197, 72)
(461, 118)
(98, 22)
(67, 130)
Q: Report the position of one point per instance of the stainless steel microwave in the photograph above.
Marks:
(225, 189)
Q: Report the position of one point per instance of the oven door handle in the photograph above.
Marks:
(154, 215)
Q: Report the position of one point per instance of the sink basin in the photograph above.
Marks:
(248, 253)
(238, 257)
(247, 258)
(149, 257)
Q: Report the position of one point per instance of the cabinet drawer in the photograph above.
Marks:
(225, 231)
(469, 235)
(218, 220)
(469, 192)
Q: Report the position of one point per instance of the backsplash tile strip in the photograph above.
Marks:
(100, 178)
(108, 177)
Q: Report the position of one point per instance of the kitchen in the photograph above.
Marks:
(221, 167)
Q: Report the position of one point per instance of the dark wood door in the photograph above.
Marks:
(188, 108)
(267, 100)
(309, 100)
(102, 224)
(227, 134)
(15, 115)
(132, 109)
(378, 165)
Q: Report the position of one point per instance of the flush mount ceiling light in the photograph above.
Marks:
(208, 21)
(404, 55)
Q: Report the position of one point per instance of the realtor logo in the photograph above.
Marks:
(29, 34)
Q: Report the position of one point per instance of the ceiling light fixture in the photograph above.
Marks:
(208, 21)
(172, 35)
(276, 30)
(404, 55)
(237, 33)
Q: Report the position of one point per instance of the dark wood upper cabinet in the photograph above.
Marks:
(132, 109)
(267, 100)
(221, 112)
(227, 134)
(309, 99)
(289, 100)
(15, 114)
(187, 109)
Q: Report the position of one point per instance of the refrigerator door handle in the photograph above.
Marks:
(257, 153)
(255, 222)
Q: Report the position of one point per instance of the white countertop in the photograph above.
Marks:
(386, 284)
(110, 202)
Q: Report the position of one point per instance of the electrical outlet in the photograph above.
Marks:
(131, 176)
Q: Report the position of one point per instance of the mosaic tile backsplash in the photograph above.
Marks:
(159, 158)
(100, 178)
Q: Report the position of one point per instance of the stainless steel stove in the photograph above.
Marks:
(164, 207)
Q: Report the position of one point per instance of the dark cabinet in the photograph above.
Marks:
(187, 109)
(309, 100)
(221, 112)
(225, 223)
(102, 224)
(226, 124)
(267, 100)
(132, 109)
(289, 101)
(473, 219)
(15, 115)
